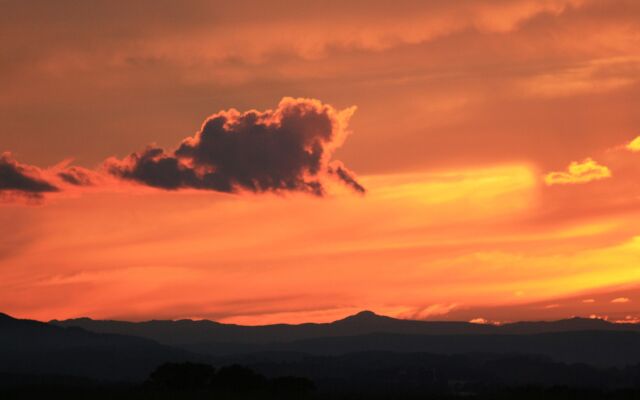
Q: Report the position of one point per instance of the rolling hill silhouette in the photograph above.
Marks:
(598, 348)
(34, 347)
(189, 332)
(576, 351)
(592, 341)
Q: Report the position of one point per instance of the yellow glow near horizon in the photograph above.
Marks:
(634, 145)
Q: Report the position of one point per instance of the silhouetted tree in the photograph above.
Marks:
(236, 378)
(183, 376)
(234, 381)
(292, 386)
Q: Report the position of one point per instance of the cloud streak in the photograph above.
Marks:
(20, 179)
(286, 149)
(621, 300)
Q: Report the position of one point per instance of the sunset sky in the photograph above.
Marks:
(291, 161)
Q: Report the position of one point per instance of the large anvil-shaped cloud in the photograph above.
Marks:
(286, 149)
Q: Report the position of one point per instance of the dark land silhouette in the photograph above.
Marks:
(592, 341)
(32, 347)
(362, 356)
(189, 332)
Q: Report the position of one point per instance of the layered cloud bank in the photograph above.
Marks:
(286, 149)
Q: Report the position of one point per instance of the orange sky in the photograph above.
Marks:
(498, 143)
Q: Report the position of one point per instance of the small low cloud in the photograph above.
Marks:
(579, 172)
(588, 301)
(484, 321)
(18, 179)
(628, 319)
(621, 300)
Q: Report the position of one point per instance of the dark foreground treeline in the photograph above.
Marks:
(169, 381)
(202, 381)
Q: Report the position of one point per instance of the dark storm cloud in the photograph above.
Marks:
(286, 149)
(20, 179)
(153, 167)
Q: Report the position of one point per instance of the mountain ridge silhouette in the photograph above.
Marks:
(187, 331)
(82, 347)
(34, 347)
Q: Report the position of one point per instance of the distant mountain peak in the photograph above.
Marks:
(365, 316)
(79, 319)
(366, 313)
